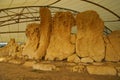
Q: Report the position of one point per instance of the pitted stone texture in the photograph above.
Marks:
(60, 46)
(89, 42)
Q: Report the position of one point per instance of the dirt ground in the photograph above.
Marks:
(18, 72)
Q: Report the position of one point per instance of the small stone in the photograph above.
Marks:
(73, 58)
(14, 61)
(79, 69)
(44, 67)
(3, 59)
(101, 70)
(29, 63)
(87, 60)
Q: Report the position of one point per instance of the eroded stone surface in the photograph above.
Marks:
(60, 46)
(89, 42)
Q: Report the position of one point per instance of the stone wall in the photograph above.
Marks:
(52, 39)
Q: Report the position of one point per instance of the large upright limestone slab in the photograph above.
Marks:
(89, 42)
(113, 46)
(45, 31)
(32, 33)
(60, 46)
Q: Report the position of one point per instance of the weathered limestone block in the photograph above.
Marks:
(101, 70)
(29, 63)
(44, 67)
(60, 46)
(73, 38)
(16, 61)
(45, 31)
(3, 59)
(87, 60)
(32, 33)
(73, 58)
(80, 69)
(113, 46)
(89, 42)
(9, 49)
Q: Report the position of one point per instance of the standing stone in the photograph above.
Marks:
(60, 46)
(89, 42)
(45, 30)
(32, 33)
(113, 46)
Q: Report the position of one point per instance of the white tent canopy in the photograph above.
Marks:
(16, 14)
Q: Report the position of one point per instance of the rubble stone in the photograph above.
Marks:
(80, 69)
(73, 58)
(87, 60)
(29, 63)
